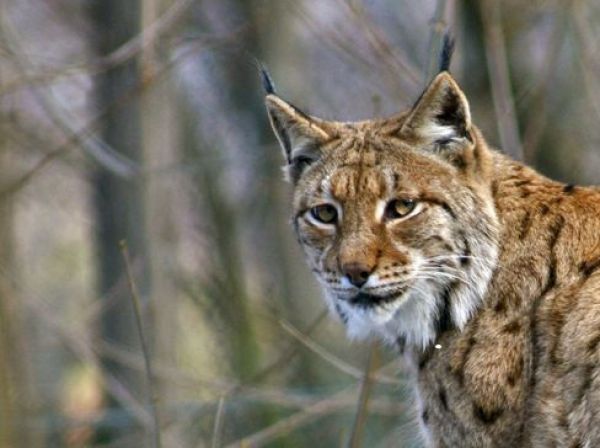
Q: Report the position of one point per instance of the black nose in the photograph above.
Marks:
(357, 273)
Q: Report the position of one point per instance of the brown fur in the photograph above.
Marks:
(520, 365)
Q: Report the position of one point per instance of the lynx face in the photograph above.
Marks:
(393, 215)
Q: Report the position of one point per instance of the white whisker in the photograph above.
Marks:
(456, 276)
(436, 276)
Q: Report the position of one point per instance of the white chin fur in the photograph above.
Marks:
(412, 317)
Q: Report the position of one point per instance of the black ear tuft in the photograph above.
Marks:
(265, 77)
(447, 51)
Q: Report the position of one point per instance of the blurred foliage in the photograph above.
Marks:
(177, 158)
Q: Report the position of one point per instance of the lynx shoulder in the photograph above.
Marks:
(484, 273)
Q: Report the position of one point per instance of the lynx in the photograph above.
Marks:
(484, 273)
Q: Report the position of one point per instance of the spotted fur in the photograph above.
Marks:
(489, 285)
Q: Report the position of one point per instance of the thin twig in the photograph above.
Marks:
(135, 300)
(87, 130)
(77, 345)
(218, 426)
(536, 123)
(298, 419)
(188, 381)
(332, 359)
(379, 44)
(587, 50)
(292, 351)
(129, 50)
(22, 181)
(275, 366)
(288, 424)
(103, 153)
(361, 60)
(363, 399)
(495, 52)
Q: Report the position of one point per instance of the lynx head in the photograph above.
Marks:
(396, 216)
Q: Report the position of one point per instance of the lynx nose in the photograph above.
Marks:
(357, 273)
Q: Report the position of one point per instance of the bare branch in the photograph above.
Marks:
(135, 300)
(498, 70)
(363, 399)
(332, 359)
(218, 426)
(537, 122)
(149, 36)
(271, 395)
(289, 424)
(588, 49)
(52, 105)
(78, 346)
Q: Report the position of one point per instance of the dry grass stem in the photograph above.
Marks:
(498, 70)
(332, 359)
(291, 423)
(218, 426)
(149, 36)
(534, 131)
(363, 400)
(135, 300)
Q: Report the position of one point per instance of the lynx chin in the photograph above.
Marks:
(424, 236)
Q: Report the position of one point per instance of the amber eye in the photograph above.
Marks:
(325, 213)
(399, 208)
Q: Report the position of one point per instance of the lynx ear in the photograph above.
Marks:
(299, 135)
(441, 117)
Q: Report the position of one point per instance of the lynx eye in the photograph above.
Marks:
(399, 208)
(326, 213)
(302, 161)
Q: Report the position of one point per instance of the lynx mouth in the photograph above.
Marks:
(365, 300)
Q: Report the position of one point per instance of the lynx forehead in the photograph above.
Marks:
(423, 235)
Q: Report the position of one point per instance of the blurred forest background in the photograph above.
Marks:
(139, 173)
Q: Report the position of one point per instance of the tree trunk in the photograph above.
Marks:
(15, 386)
(118, 202)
